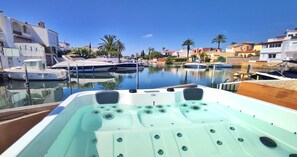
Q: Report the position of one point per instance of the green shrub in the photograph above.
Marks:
(180, 59)
(169, 61)
(221, 59)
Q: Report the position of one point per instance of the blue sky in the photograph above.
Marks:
(157, 23)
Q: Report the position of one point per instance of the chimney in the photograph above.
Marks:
(41, 24)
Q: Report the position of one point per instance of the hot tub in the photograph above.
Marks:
(162, 122)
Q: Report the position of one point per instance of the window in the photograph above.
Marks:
(26, 29)
(271, 55)
(31, 48)
(20, 47)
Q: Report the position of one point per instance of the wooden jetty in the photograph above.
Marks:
(15, 122)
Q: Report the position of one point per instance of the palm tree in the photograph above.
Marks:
(112, 45)
(120, 47)
(163, 48)
(150, 50)
(188, 43)
(108, 43)
(219, 39)
(233, 43)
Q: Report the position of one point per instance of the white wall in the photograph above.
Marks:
(230, 50)
(31, 49)
(183, 53)
(6, 30)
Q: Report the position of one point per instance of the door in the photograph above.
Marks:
(1, 66)
(10, 62)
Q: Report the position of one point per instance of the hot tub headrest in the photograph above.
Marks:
(107, 97)
(193, 93)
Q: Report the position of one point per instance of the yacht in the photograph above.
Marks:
(220, 65)
(36, 71)
(195, 65)
(283, 72)
(84, 66)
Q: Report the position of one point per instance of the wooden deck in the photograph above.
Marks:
(15, 122)
(281, 96)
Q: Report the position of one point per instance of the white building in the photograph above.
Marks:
(182, 53)
(23, 37)
(279, 48)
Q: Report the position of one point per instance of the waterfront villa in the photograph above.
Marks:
(179, 54)
(167, 53)
(279, 48)
(246, 46)
(21, 40)
(212, 53)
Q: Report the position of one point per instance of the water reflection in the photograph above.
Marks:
(111, 85)
(14, 94)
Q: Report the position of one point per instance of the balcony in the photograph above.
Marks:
(11, 52)
(17, 32)
(271, 50)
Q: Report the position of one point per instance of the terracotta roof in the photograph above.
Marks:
(270, 42)
(170, 51)
(248, 43)
(251, 51)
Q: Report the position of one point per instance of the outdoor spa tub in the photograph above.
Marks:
(187, 122)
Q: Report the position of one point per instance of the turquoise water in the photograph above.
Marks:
(14, 94)
(191, 128)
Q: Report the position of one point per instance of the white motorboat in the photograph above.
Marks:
(283, 72)
(84, 66)
(126, 67)
(36, 71)
(220, 65)
(195, 65)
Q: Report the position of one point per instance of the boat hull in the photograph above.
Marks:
(87, 69)
(195, 66)
(126, 67)
(221, 66)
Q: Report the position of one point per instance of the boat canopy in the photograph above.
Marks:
(37, 64)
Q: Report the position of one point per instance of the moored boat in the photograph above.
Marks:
(195, 65)
(84, 66)
(284, 72)
(36, 71)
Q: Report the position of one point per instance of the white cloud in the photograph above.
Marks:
(148, 36)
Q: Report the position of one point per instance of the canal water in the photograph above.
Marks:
(14, 93)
